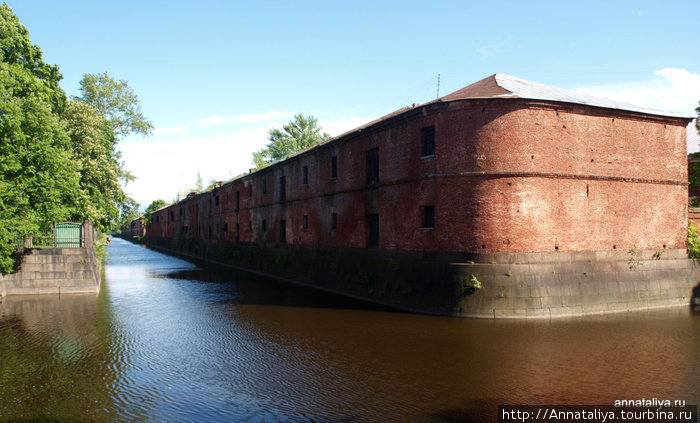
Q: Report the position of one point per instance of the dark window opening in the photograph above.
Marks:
(334, 222)
(250, 225)
(180, 211)
(172, 216)
(373, 229)
(264, 225)
(264, 185)
(216, 200)
(428, 141)
(372, 166)
(283, 231)
(157, 219)
(283, 188)
(334, 167)
(238, 200)
(225, 227)
(305, 223)
(238, 232)
(428, 216)
(305, 175)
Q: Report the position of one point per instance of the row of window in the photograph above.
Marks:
(428, 137)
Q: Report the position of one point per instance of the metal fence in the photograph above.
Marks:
(60, 235)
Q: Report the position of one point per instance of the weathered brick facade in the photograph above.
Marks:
(508, 175)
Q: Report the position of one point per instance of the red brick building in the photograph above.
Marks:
(503, 166)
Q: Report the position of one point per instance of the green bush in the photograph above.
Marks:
(693, 241)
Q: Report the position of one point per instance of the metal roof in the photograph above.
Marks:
(507, 86)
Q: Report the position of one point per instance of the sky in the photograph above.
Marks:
(215, 76)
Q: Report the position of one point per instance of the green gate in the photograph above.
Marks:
(69, 235)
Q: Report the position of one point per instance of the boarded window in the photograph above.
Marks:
(334, 221)
(305, 175)
(373, 229)
(334, 167)
(428, 141)
(283, 188)
(428, 216)
(373, 166)
(283, 231)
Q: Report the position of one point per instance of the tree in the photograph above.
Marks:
(117, 102)
(155, 205)
(300, 133)
(128, 212)
(39, 180)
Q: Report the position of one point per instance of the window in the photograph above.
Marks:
(283, 231)
(283, 188)
(157, 219)
(428, 141)
(334, 167)
(216, 200)
(264, 185)
(172, 216)
(225, 227)
(238, 200)
(334, 222)
(428, 216)
(305, 175)
(264, 225)
(305, 223)
(250, 225)
(238, 232)
(372, 166)
(373, 229)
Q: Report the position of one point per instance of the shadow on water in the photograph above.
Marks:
(245, 288)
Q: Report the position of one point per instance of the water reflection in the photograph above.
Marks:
(165, 341)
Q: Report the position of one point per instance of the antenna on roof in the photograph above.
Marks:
(438, 87)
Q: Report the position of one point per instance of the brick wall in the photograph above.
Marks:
(508, 175)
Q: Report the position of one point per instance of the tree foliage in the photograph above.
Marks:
(299, 134)
(117, 102)
(58, 158)
(155, 205)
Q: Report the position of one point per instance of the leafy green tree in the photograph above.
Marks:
(128, 212)
(39, 180)
(117, 102)
(299, 134)
(155, 205)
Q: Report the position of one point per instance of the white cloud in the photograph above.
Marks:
(266, 117)
(175, 130)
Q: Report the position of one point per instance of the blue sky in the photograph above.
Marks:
(214, 76)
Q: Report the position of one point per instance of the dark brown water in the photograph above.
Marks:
(164, 341)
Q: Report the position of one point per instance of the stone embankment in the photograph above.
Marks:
(54, 271)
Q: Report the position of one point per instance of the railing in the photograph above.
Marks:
(60, 235)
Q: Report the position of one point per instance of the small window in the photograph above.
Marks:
(172, 216)
(225, 227)
(250, 225)
(428, 216)
(372, 166)
(264, 185)
(238, 200)
(238, 232)
(373, 229)
(334, 222)
(283, 231)
(428, 141)
(305, 223)
(157, 219)
(216, 200)
(264, 225)
(283, 188)
(334, 167)
(305, 175)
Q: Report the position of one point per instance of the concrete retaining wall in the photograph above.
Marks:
(54, 271)
(500, 285)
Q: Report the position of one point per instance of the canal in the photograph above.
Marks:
(166, 341)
